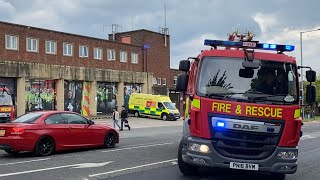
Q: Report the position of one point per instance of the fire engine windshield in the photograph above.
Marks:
(5, 99)
(272, 83)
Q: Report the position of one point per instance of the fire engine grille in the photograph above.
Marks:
(244, 144)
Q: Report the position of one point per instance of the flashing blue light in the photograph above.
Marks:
(273, 46)
(289, 48)
(221, 124)
(265, 46)
(249, 44)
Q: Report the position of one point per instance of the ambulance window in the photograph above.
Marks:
(160, 106)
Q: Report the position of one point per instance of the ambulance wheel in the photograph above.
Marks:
(164, 116)
(186, 169)
(136, 114)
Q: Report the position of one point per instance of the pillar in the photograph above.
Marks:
(120, 95)
(60, 94)
(147, 84)
(93, 98)
(21, 99)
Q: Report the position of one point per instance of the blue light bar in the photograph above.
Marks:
(221, 124)
(249, 45)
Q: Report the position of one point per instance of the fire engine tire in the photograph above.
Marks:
(278, 176)
(186, 169)
(164, 116)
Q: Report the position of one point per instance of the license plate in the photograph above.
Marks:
(5, 109)
(2, 132)
(244, 166)
(249, 44)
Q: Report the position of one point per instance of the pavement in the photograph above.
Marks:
(148, 151)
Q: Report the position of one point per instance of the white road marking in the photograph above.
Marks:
(46, 169)
(130, 168)
(21, 162)
(91, 165)
(311, 136)
(174, 163)
(137, 147)
(143, 144)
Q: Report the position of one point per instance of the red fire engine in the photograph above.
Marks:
(243, 108)
(7, 113)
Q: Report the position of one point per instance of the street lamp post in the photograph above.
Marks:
(302, 65)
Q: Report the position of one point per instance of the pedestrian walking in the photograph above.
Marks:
(124, 119)
(115, 117)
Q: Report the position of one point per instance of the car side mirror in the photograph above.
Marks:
(91, 122)
(182, 82)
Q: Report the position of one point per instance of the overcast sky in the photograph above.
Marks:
(189, 21)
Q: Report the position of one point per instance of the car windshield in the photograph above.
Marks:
(28, 118)
(169, 105)
(5, 98)
(272, 83)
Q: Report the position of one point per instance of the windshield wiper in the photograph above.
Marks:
(265, 98)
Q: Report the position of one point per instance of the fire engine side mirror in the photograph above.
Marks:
(311, 94)
(184, 65)
(246, 73)
(311, 76)
(182, 82)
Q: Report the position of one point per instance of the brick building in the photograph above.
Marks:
(175, 96)
(51, 70)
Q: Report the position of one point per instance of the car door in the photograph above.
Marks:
(79, 130)
(56, 126)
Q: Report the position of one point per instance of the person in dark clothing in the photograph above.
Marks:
(124, 119)
(268, 85)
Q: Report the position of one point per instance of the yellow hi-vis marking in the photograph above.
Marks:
(296, 113)
(196, 103)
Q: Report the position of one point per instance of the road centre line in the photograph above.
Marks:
(83, 165)
(143, 144)
(21, 162)
(137, 147)
(130, 168)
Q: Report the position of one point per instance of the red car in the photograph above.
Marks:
(45, 132)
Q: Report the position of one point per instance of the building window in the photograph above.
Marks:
(97, 53)
(158, 81)
(134, 58)
(123, 56)
(83, 51)
(111, 55)
(175, 80)
(164, 81)
(32, 45)
(67, 49)
(51, 47)
(11, 42)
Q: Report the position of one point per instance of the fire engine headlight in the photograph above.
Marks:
(288, 155)
(202, 148)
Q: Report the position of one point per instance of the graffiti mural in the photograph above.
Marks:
(40, 95)
(106, 97)
(128, 90)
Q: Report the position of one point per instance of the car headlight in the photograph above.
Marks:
(288, 155)
(202, 148)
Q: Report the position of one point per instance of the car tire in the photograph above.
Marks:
(278, 176)
(164, 116)
(12, 152)
(110, 140)
(45, 146)
(186, 169)
(136, 114)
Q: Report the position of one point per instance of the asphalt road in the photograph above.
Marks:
(143, 153)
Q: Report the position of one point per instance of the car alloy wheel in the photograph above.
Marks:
(45, 146)
(164, 117)
(110, 140)
(136, 114)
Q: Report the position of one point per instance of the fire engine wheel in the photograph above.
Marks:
(164, 116)
(136, 114)
(186, 169)
(278, 176)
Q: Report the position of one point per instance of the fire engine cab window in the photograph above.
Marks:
(272, 83)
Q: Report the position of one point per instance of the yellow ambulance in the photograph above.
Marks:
(153, 106)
